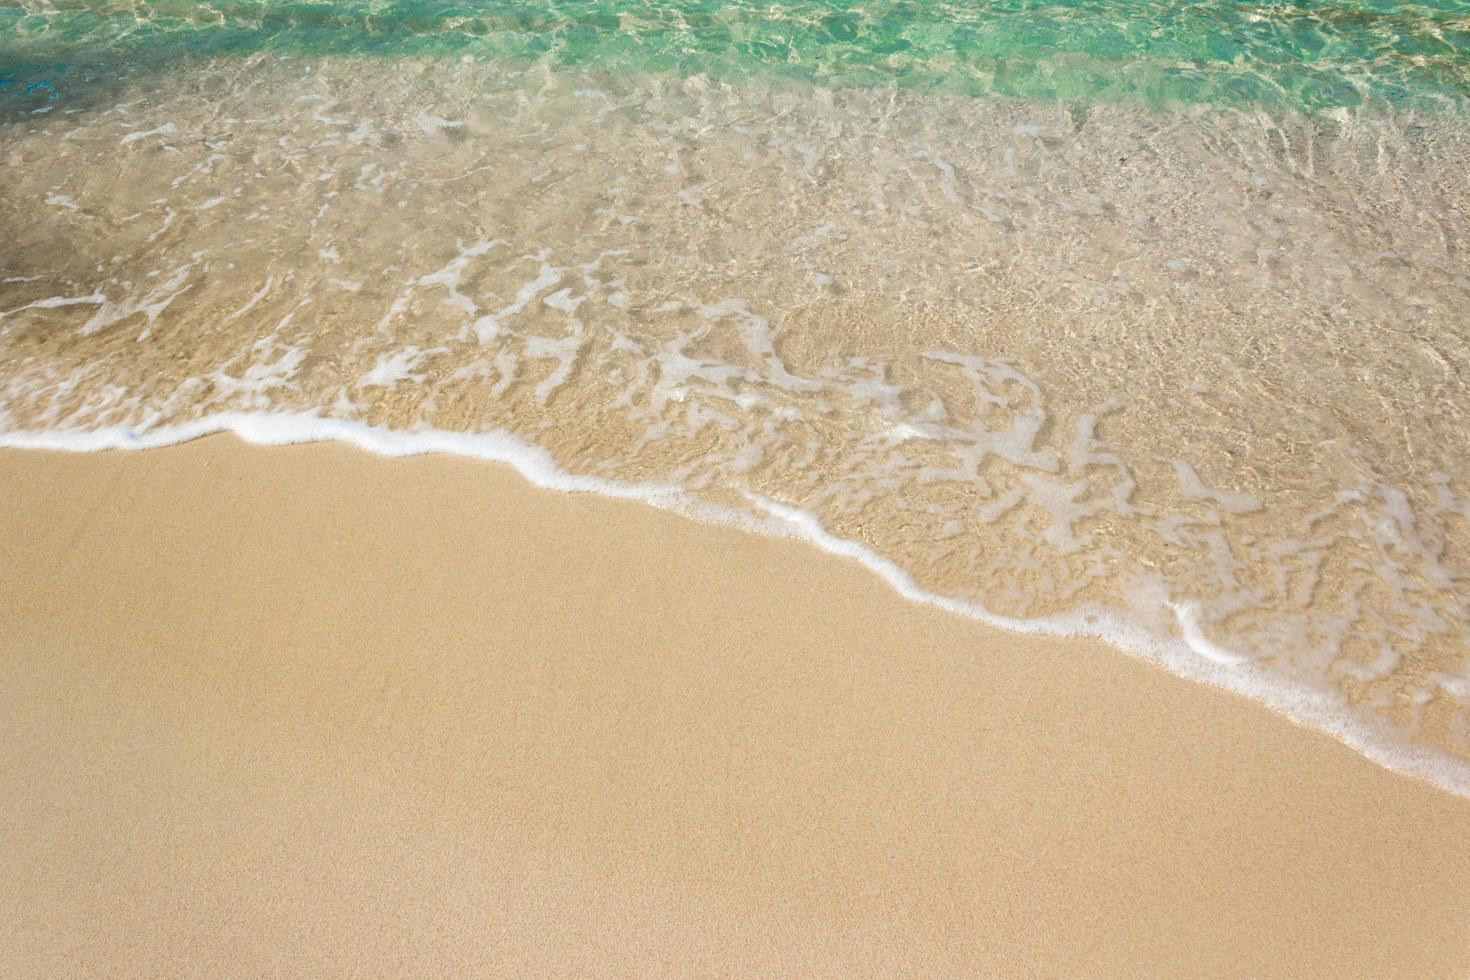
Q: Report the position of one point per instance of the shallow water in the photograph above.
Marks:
(1301, 55)
(1163, 337)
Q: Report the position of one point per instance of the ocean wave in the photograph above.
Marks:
(1190, 380)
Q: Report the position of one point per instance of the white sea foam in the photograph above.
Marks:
(1194, 658)
(396, 367)
(166, 129)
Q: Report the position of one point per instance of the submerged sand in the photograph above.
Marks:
(303, 710)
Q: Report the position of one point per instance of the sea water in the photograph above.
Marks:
(1145, 320)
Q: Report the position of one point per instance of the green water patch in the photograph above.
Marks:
(1304, 56)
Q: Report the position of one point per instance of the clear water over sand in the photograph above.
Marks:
(1181, 364)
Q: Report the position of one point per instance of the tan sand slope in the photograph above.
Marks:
(303, 710)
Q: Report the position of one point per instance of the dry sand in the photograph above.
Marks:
(303, 710)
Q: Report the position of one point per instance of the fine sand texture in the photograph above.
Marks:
(303, 710)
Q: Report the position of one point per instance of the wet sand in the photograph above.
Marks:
(304, 710)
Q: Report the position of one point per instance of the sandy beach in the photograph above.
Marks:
(307, 711)
(645, 422)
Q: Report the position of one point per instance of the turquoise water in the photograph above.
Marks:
(1304, 55)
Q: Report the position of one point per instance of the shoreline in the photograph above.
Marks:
(1194, 659)
(304, 706)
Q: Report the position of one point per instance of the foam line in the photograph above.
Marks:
(1322, 710)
